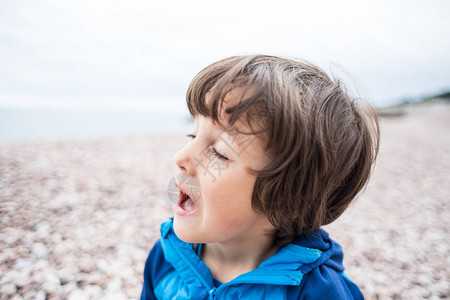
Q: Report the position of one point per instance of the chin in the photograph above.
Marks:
(183, 232)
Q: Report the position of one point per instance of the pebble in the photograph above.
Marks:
(43, 229)
(40, 250)
(23, 264)
(40, 295)
(8, 289)
(29, 295)
(94, 291)
(115, 296)
(424, 280)
(87, 266)
(441, 288)
(78, 295)
(9, 277)
(380, 277)
(115, 285)
(12, 235)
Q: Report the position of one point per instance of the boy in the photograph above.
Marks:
(278, 150)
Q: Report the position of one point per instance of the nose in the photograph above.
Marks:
(185, 159)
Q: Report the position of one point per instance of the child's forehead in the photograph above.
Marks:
(222, 128)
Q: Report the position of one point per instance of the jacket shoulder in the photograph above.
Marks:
(156, 267)
(325, 283)
(324, 278)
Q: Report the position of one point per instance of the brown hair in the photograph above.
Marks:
(322, 143)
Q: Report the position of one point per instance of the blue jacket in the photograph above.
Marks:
(310, 268)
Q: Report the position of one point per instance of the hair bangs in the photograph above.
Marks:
(227, 93)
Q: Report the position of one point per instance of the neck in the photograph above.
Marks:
(227, 260)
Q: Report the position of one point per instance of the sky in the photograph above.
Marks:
(142, 55)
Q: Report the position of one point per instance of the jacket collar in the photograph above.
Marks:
(286, 267)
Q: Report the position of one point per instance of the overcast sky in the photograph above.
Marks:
(143, 54)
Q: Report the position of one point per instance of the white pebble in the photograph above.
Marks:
(115, 285)
(8, 289)
(93, 290)
(51, 287)
(78, 295)
(380, 277)
(424, 280)
(115, 296)
(40, 250)
(31, 295)
(22, 265)
(9, 277)
(51, 277)
(43, 229)
(40, 295)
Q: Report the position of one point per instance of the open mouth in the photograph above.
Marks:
(185, 202)
(184, 192)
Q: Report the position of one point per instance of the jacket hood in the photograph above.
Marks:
(331, 252)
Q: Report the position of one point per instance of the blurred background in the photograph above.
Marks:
(67, 67)
(92, 110)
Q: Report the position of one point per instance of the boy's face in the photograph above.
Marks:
(217, 163)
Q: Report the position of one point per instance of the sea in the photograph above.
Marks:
(23, 125)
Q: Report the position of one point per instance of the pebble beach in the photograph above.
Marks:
(78, 217)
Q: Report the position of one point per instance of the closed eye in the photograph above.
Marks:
(211, 148)
(218, 155)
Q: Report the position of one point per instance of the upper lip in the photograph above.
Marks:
(182, 190)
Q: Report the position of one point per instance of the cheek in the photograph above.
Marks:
(230, 196)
